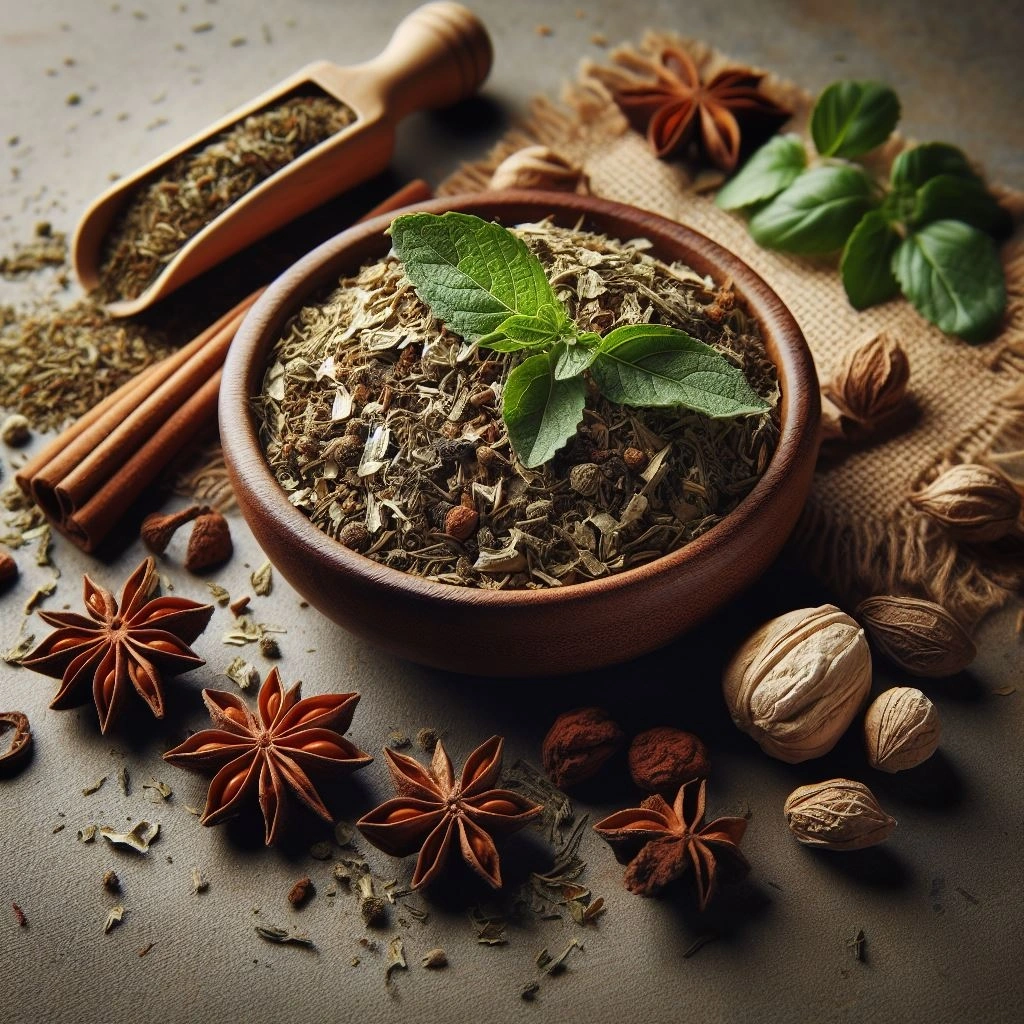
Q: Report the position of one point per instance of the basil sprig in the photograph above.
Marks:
(929, 231)
(484, 283)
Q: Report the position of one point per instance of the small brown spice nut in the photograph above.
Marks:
(972, 502)
(839, 814)
(158, 527)
(301, 892)
(901, 729)
(578, 744)
(210, 542)
(8, 569)
(663, 759)
(871, 383)
(461, 522)
(355, 536)
(585, 478)
(635, 459)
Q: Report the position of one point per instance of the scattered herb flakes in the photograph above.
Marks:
(321, 850)
(199, 883)
(859, 946)
(244, 674)
(398, 740)
(269, 647)
(45, 250)
(282, 937)
(218, 593)
(490, 931)
(58, 828)
(426, 739)
(529, 991)
(22, 646)
(970, 897)
(1004, 691)
(138, 839)
(124, 780)
(396, 958)
(156, 792)
(699, 943)
(145, 949)
(344, 833)
(95, 786)
(262, 580)
(39, 596)
(87, 834)
(114, 917)
(553, 965)
(197, 811)
(434, 959)
(111, 882)
(248, 632)
(19, 915)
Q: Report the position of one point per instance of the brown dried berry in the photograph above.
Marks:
(634, 459)
(301, 892)
(158, 529)
(461, 522)
(355, 536)
(578, 744)
(8, 569)
(210, 542)
(663, 759)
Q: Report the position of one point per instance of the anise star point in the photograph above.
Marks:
(671, 839)
(272, 752)
(433, 811)
(678, 108)
(120, 645)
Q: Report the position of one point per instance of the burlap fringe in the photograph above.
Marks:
(910, 555)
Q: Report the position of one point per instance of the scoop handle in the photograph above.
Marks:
(439, 54)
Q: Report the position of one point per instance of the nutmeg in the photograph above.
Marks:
(919, 636)
(901, 729)
(839, 814)
(578, 744)
(662, 759)
(796, 684)
(355, 536)
(635, 459)
(972, 502)
(585, 478)
(871, 382)
(542, 168)
(461, 522)
(210, 542)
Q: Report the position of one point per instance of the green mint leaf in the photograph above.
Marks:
(771, 169)
(866, 266)
(649, 365)
(816, 213)
(851, 118)
(952, 274)
(915, 166)
(540, 412)
(473, 274)
(571, 359)
(948, 197)
(521, 330)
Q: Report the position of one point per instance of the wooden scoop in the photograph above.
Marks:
(439, 54)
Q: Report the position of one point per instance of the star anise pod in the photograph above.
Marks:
(277, 751)
(671, 839)
(133, 642)
(432, 809)
(678, 108)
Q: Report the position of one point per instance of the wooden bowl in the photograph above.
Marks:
(524, 632)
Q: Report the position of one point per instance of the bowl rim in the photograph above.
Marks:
(798, 424)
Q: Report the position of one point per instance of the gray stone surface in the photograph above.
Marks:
(940, 904)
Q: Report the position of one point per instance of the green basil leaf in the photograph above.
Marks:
(540, 412)
(915, 166)
(771, 169)
(473, 274)
(952, 274)
(948, 197)
(521, 330)
(851, 118)
(866, 266)
(572, 359)
(816, 213)
(649, 365)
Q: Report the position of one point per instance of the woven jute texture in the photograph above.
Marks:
(859, 533)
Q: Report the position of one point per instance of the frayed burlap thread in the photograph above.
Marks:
(858, 532)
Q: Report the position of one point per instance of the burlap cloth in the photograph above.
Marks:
(858, 532)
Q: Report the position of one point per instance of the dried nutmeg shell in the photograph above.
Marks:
(919, 636)
(973, 503)
(901, 729)
(797, 683)
(578, 744)
(539, 167)
(158, 527)
(871, 383)
(210, 542)
(839, 814)
(663, 759)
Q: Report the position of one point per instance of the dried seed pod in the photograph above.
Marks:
(16, 430)
(901, 729)
(158, 528)
(301, 892)
(635, 460)
(210, 542)
(871, 383)
(973, 503)
(539, 167)
(434, 959)
(663, 759)
(348, 450)
(578, 744)
(585, 478)
(461, 522)
(839, 814)
(8, 569)
(355, 536)
(797, 683)
(919, 636)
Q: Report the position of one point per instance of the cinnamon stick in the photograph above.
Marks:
(87, 478)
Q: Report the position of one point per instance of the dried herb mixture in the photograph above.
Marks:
(385, 428)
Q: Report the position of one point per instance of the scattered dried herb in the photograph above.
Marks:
(94, 786)
(138, 839)
(165, 213)
(859, 945)
(19, 916)
(156, 792)
(111, 882)
(434, 959)
(396, 958)
(199, 883)
(47, 249)
(242, 673)
(114, 917)
(145, 949)
(262, 580)
(87, 834)
(218, 593)
(376, 422)
(282, 937)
